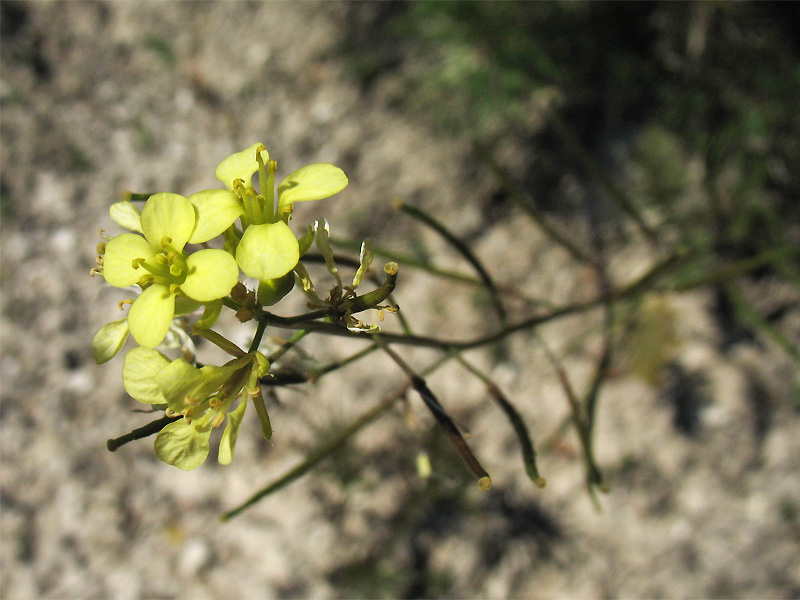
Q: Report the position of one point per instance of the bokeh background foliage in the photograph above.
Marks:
(571, 146)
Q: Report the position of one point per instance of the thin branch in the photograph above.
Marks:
(326, 449)
(462, 248)
(141, 433)
(440, 414)
(511, 413)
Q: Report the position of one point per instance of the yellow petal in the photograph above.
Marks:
(313, 182)
(168, 215)
(216, 211)
(212, 275)
(138, 374)
(268, 251)
(126, 215)
(109, 340)
(180, 444)
(121, 251)
(151, 314)
(241, 165)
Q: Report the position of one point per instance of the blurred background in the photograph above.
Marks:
(572, 147)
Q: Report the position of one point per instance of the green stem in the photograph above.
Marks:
(260, 328)
(287, 345)
(141, 432)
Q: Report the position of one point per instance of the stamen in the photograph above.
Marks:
(269, 191)
(123, 302)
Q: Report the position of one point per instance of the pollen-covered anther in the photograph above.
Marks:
(174, 288)
(124, 302)
(175, 270)
(101, 249)
(146, 280)
(137, 262)
(166, 241)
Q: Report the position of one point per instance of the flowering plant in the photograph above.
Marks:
(189, 253)
(176, 279)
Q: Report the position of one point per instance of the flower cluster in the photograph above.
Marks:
(176, 278)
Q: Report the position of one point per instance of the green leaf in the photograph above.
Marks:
(126, 215)
(181, 445)
(138, 374)
(151, 314)
(267, 251)
(216, 211)
(168, 215)
(228, 442)
(212, 275)
(109, 340)
(121, 251)
(312, 182)
(240, 165)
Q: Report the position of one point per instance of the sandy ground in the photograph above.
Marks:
(100, 98)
